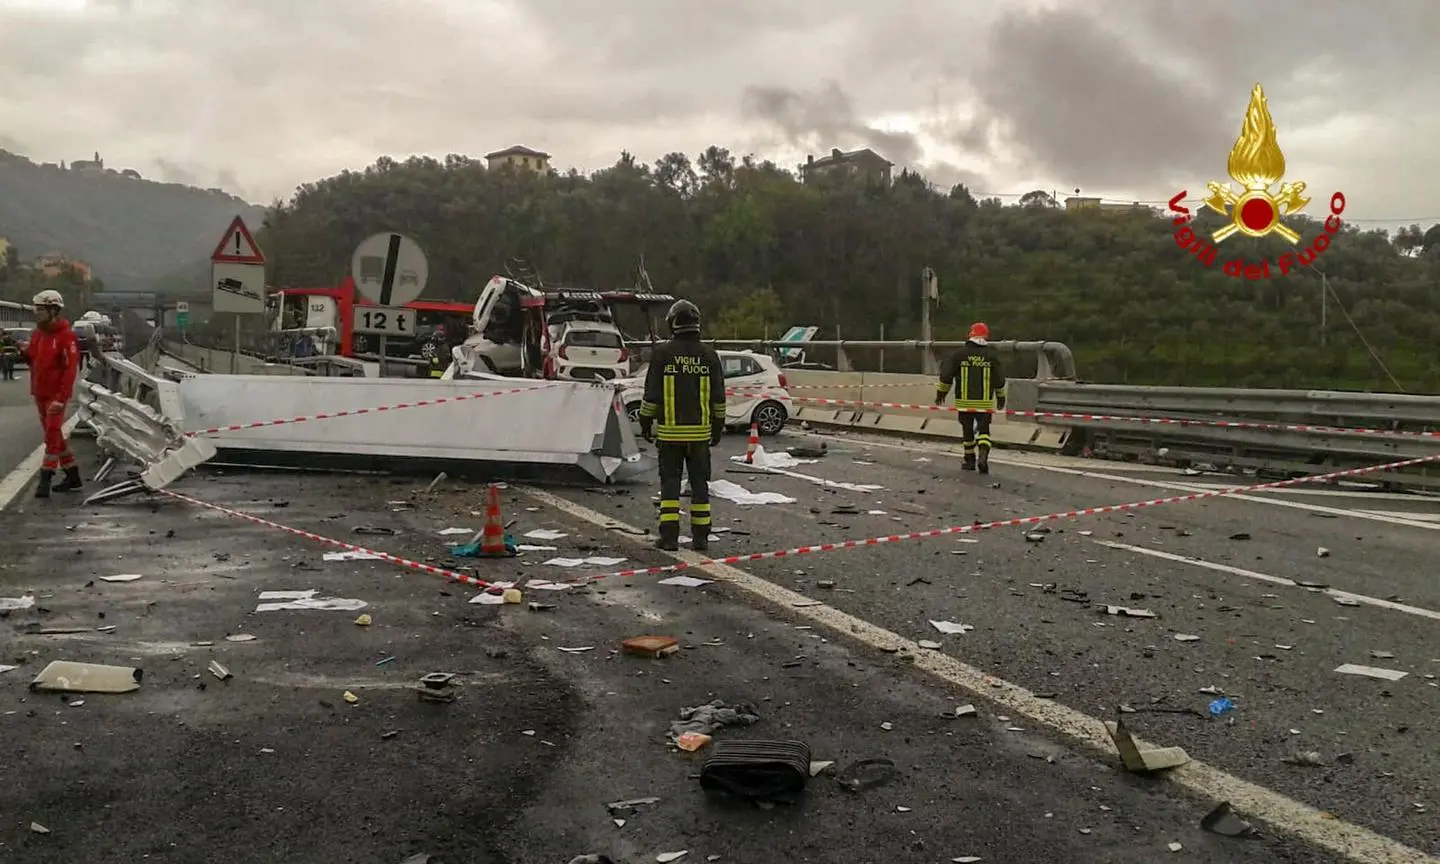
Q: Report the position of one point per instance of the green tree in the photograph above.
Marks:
(761, 251)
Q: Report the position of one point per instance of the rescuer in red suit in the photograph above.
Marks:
(54, 356)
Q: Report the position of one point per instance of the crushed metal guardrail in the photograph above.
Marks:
(127, 428)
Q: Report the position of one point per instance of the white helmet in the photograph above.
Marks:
(49, 298)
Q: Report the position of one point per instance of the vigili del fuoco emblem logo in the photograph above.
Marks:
(1257, 164)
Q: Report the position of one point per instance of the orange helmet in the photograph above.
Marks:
(979, 333)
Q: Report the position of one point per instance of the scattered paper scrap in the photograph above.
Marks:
(4, 668)
(240, 637)
(275, 601)
(684, 581)
(352, 555)
(951, 628)
(1223, 820)
(123, 577)
(1186, 637)
(15, 604)
(667, 857)
(450, 532)
(545, 534)
(1143, 761)
(64, 676)
(526, 547)
(592, 561)
(737, 494)
(220, 671)
(1371, 672)
(581, 650)
(929, 645)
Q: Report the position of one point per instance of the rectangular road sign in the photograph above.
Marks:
(384, 321)
(238, 288)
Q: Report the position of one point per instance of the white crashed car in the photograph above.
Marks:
(756, 394)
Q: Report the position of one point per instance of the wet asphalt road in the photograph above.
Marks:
(19, 427)
(276, 765)
(1270, 648)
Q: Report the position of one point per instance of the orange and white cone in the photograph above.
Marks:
(492, 538)
(753, 443)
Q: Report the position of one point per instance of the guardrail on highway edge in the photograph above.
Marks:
(126, 427)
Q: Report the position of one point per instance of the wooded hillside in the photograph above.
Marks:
(760, 252)
(130, 231)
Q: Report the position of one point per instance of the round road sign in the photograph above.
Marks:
(389, 269)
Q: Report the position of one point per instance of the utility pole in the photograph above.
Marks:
(929, 294)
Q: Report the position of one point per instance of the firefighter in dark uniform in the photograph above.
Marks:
(437, 353)
(979, 385)
(683, 412)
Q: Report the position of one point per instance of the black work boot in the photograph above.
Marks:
(983, 466)
(669, 539)
(42, 486)
(700, 539)
(72, 482)
(968, 463)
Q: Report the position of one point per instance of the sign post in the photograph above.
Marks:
(390, 271)
(182, 315)
(237, 278)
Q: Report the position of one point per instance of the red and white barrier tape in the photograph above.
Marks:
(399, 406)
(826, 386)
(1009, 523)
(1158, 421)
(449, 575)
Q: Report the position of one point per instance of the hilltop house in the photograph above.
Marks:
(89, 166)
(55, 263)
(522, 158)
(863, 164)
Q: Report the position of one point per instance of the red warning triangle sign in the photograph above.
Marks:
(237, 246)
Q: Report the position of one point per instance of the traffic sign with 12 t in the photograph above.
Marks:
(383, 321)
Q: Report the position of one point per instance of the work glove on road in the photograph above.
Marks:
(647, 429)
(717, 431)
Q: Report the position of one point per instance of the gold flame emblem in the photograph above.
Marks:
(1256, 163)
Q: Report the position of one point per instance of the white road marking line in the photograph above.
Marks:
(1172, 486)
(16, 481)
(1423, 517)
(1178, 486)
(1302, 821)
(1274, 502)
(1278, 580)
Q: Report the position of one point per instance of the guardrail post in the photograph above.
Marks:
(842, 359)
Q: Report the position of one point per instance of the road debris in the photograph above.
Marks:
(240, 637)
(364, 620)
(219, 671)
(1371, 672)
(37, 828)
(651, 646)
(1143, 761)
(352, 555)
(592, 561)
(1322, 552)
(1186, 637)
(437, 687)
(1221, 707)
(950, 628)
(123, 577)
(964, 711)
(667, 857)
(692, 741)
(1223, 820)
(712, 717)
(275, 601)
(761, 771)
(15, 604)
(1129, 612)
(1308, 759)
(866, 774)
(628, 807)
(684, 581)
(64, 676)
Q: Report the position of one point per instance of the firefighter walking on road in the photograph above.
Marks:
(683, 412)
(974, 373)
(54, 357)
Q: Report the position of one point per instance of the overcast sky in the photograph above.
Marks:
(1126, 99)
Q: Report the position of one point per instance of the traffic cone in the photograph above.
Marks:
(752, 444)
(492, 538)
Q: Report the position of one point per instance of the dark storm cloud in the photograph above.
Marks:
(1119, 96)
(825, 119)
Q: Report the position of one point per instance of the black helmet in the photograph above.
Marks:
(683, 317)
